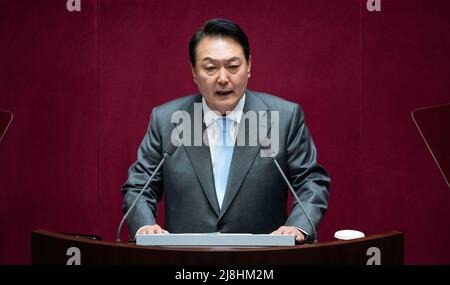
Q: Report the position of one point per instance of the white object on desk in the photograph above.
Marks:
(348, 234)
(216, 239)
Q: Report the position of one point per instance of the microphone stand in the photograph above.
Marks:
(295, 196)
(119, 230)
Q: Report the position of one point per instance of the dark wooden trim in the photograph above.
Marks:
(50, 248)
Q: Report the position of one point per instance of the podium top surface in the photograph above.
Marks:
(53, 248)
(50, 234)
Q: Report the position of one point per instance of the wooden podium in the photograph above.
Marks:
(53, 248)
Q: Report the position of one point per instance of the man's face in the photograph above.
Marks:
(221, 72)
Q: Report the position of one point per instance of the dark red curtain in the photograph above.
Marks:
(82, 84)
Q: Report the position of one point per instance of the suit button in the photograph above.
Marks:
(220, 226)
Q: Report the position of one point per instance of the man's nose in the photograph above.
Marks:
(222, 77)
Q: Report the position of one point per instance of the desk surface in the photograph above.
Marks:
(50, 248)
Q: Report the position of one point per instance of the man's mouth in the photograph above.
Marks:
(223, 92)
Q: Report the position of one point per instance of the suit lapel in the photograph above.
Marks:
(200, 158)
(243, 156)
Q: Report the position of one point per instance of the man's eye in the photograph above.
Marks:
(210, 68)
(233, 67)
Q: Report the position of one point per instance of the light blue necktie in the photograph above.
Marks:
(223, 155)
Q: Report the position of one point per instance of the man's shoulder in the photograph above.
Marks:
(178, 104)
(273, 102)
(184, 103)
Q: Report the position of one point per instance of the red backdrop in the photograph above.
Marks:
(82, 85)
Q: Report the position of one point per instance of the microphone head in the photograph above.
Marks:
(266, 148)
(170, 148)
(268, 152)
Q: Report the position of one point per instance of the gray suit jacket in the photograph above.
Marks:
(256, 196)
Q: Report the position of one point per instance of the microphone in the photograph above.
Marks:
(166, 154)
(272, 155)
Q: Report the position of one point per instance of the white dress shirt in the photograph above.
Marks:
(213, 129)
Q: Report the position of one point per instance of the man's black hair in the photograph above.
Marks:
(219, 28)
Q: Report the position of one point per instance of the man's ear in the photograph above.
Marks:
(194, 74)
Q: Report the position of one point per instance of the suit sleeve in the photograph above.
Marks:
(148, 157)
(309, 179)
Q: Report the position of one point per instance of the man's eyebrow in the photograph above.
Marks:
(209, 58)
(228, 59)
(233, 58)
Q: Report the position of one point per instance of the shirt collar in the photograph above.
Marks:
(211, 116)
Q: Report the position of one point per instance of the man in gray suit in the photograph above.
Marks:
(217, 185)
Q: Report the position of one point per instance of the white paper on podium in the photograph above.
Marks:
(215, 239)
